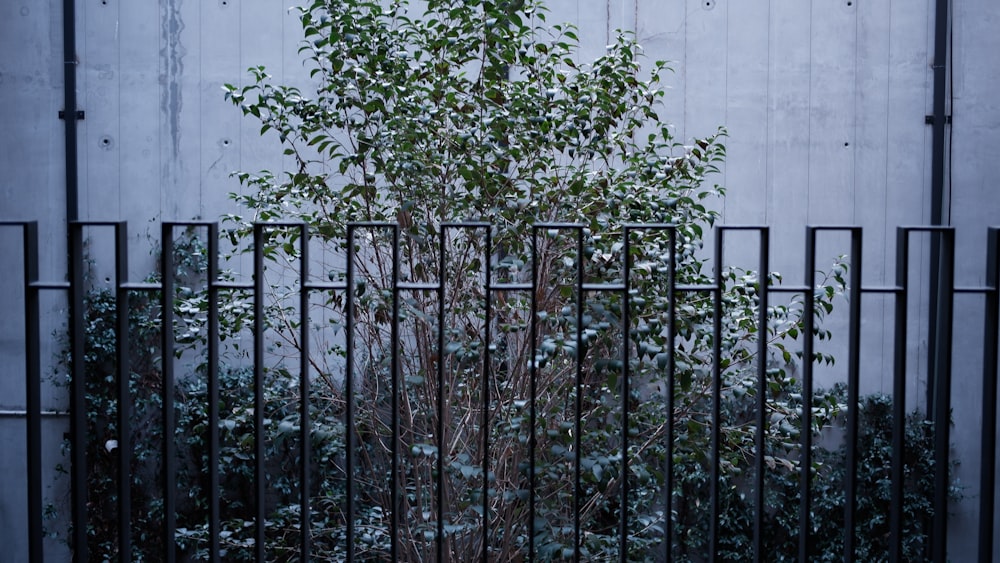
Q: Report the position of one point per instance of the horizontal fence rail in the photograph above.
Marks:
(426, 503)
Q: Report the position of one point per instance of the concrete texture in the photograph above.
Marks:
(824, 101)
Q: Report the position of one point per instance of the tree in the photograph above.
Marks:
(428, 114)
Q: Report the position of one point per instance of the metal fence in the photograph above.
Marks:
(164, 291)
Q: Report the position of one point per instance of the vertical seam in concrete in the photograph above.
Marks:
(854, 133)
(725, 97)
(684, 69)
(201, 121)
(769, 155)
(607, 22)
(885, 190)
(82, 100)
(809, 122)
(118, 118)
(160, 75)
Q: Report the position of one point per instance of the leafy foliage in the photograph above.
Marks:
(421, 117)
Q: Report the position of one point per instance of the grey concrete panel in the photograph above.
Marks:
(787, 151)
(832, 112)
(220, 121)
(99, 94)
(746, 112)
(973, 173)
(660, 29)
(793, 81)
(13, 495)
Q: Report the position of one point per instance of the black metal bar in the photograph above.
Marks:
(763, 279)
(853, 399)
(971, 290)
(694, 288)
(671, 382)
(232, 285)
(70, 114)
(395, 502)
(625, 390)
(808, 327)
(78, 397)
(533, 375)
(511, 287)
(942, 398)
(314, 286)
(578, 400)
(349, 440)
(988, 452)
(32, 390)
(939, 67)
(603, 287)
(167, 368)
(19, 413)
(887, 290)
(487, 368)
(124, 376)
(791, 288)
(442, 443)
(305, 443)
(714, 489)
(214, 510)
(260, 485)
(50, 285)
(141, 286)
(418, 286)
(899, 398)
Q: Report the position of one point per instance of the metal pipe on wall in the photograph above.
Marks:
(70, 115)
(938, 121)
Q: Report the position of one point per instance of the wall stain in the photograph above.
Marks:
(172, 53)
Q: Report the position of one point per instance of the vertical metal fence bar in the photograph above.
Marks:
(763, 279)
(124, 395)
(533, 350)
(305, 444)
(349, 391)
(899, 397)
(942, 392)
(487, 368)
(78, 397)
(394, 375)
(167, 368)
(626, 373)
(32, 389)
(808, 328)
(259, 405)
(988, 451)
(442, 443)
(578, 402)
(671, 381)
(214, 513)
(853, 399)
(714, 488)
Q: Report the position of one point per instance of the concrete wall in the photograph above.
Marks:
(824, 101)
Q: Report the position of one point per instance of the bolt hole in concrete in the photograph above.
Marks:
(106, 142)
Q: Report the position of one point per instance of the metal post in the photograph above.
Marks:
(124, 377)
